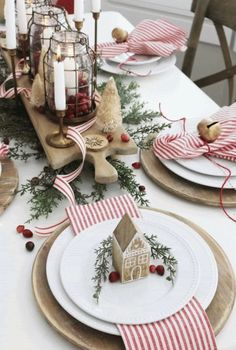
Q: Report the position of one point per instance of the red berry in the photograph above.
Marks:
(71, 99)
(20, 228)
(109, 138)
(160, 270)
(124, 137)
(152, 268)
(114, 276)
(142, 188)
(136, 165)
(29, 246)
(27, 233)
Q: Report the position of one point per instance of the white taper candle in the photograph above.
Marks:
(21, 16)
(96, 6)
(9, 12)
(59, 84)
(78, 10)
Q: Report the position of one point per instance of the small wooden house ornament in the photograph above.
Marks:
(130, 251)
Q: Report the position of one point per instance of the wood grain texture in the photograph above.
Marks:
(181, 187)
(8, 183)
(57, 158)
(87, 338)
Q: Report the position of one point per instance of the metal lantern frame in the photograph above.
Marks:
(79, 76)
(44, 19)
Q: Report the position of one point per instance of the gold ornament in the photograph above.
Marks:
(37, 98)
(209, 130)
(109, 110)
(119, 35)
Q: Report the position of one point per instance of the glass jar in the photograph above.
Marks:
(72, 48)
(45, 21)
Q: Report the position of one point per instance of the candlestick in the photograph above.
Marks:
(12, 54)
(23, 39)
(9, 12)
(21, 16)
(79, 25)
(58, 139)
(96, 16)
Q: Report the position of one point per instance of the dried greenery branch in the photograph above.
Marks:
(103, 262)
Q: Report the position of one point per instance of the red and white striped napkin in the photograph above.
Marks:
(4, 149)
(158, 38)
(188, 329)
(188, 145)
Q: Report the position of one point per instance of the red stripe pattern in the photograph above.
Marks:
(83, 216)
(4, 149)
(158, 38)
(190, 145)
(188, 329)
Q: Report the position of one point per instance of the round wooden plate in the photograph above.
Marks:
(8, 183)
(181, 187)
(87, 338)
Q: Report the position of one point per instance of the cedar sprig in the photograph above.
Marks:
(127, 181)
(159, 251)
(102, 265)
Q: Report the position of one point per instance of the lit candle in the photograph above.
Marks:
(78, 10)
(21, 16)
(96, 6)
(59, 83)
(9, 12)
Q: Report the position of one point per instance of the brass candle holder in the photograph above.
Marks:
(12, 54)
(96, 16)
(79, 25)
(58, 139)
(23, 38)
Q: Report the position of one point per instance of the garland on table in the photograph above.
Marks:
(24, 145)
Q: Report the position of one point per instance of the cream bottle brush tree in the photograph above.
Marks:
(109, 115)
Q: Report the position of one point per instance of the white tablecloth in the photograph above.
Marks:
(21, 324)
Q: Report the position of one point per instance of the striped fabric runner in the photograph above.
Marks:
(186, 145)
(4, 149)
(188, 329)
(158, 38)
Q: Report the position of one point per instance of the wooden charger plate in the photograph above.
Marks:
(8, 183)
(87, 338)
(181, 187)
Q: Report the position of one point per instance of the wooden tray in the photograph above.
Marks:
(181, 187)
(104, 172)
(87, 338)
(8, 183)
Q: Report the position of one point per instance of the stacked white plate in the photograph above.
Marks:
(137, 64)
(70, 268)
(201, 170)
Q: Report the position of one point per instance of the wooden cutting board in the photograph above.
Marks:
(181, 187)
(87, 338)
(8, 183)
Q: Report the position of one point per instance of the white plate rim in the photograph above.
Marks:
(204, 295)
(119, 60)
(158, 67)
(153, 308)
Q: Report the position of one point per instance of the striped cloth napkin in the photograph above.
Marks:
(188, 329)
(158, 38)
(189, 145)
(4, 149)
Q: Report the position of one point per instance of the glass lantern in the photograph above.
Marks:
(45, 21)
(33, 4)
(72, 48)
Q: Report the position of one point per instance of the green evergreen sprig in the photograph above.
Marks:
(103, 262)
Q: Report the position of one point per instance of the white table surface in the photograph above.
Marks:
(21, 324)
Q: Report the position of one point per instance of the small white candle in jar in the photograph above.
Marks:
(59, 83)
(78, 10)
(9, 12)
(96, 6)
(21, 17)
(70, 73)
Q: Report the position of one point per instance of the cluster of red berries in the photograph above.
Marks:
(159, 269)
(77, 105)
(27, 234)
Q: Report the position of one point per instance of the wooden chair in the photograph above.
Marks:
(222, 13)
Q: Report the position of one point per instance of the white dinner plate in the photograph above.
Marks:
(201, 164)
(136, 60)
(198, 178)
(204, 293)
(150, 69)
(147, 300)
